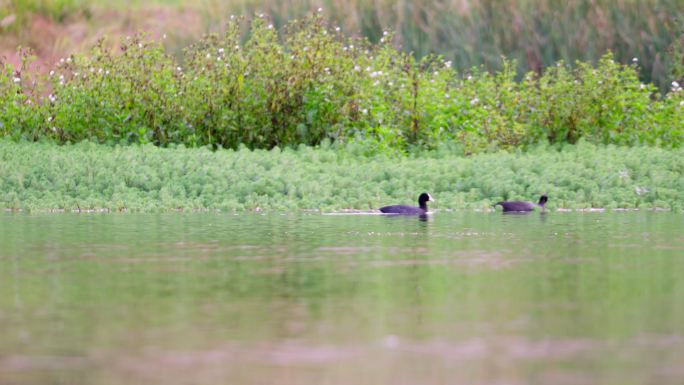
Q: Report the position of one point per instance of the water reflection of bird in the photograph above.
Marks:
(509, 206)
(410, 210)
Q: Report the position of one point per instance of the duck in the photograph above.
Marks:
(410, 210)
(509, 206)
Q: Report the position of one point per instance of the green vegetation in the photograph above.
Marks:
(317, 85)
(42, 176)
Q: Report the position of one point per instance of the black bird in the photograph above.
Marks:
(522, 206)
(410, 210)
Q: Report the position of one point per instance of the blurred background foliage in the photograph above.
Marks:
(536, 33)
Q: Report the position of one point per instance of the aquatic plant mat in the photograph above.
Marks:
(87, 176)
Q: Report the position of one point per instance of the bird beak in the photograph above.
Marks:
(431, 199)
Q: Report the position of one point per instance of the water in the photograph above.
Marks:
(462, 298)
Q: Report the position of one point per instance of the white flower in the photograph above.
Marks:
(52, 73)
(345, 48)
(382, 40)
(99, 70)
(208, 56)
(681, 103)
(675, 85)
(357, 68)
(164, 36)
(237, 46)
(337, 29)
(642, 86)
(447, 64)
(326, 69)
(364, 111)
(139, 45)
(17, 80)
(641, 190)
(68, 60)
(49, 119)
(469, 77)
(474, 101)
(385, 33)
(320, 10)
(390, 84)
(446, 96)
(351, 46)
(635, 60)
(179, 69)
(107, 72)
(270, 26)
(61, 60)
(221, 50)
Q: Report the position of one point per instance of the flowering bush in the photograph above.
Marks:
(313, 85)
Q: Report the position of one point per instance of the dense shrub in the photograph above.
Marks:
(314, 84)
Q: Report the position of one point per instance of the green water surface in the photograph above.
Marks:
(462, 298)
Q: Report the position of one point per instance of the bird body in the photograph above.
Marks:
(512, 206)
(410, 210)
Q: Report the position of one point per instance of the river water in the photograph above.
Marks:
(459, 298)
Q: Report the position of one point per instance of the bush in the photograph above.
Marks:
(312, 85)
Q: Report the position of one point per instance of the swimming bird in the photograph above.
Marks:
(522, 205)
(410, 210)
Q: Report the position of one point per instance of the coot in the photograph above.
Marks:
(410, 210)
(523, 206)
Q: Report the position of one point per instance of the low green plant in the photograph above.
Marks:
(45, 176)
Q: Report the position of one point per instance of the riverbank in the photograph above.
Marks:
(88, 176)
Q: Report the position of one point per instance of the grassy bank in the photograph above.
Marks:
(38, 176)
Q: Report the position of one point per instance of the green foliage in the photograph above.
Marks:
(43, 176)
(312, 85)
(130, 97)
